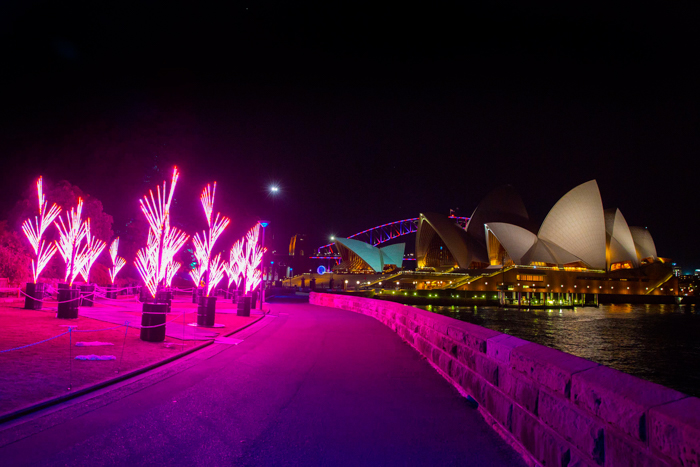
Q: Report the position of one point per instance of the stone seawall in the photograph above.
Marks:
(555, 408)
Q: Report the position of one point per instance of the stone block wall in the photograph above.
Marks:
(554, 408)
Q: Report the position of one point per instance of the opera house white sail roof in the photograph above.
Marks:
(440, 242)
(515, 240)
(577, 224)
(360, 255)
(619, 239)
(576, 232)
(643, 243)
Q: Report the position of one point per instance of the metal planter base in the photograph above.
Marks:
(69, 300)
(153, 316)
(34, 291)
(87, 295)
(243, 306)
(206, 312)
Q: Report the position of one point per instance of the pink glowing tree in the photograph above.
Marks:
(75, 253)
(245, 259)
(203, 245)
(236, 265)
(95, 247)
(155, 261)
(253, 275)
(173, 268)
(217, 268)
(34, 230)
(117, 261)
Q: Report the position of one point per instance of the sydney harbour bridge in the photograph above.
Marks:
(381, 234)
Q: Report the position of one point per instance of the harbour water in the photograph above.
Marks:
(660, 343)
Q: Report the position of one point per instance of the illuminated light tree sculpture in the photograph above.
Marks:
(203, 245)
(95, 247)
(173, 268)
(236, 265)
(117, 264)
(34, 231)
(254, 255)
(70, 244)
(217, 268)
(76, 254)
(245, 258)
(155, 262)
(208, 270)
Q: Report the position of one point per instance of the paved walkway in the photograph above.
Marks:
(314, 386)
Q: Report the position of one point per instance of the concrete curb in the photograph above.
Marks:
(4, 418)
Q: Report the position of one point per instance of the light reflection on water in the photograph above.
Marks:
(660, 343)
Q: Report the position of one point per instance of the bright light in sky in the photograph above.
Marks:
(274, 189)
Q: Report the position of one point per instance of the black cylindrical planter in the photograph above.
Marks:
(68, 300)
(111, 292)
(254, 299)
(164, 296)
(34, 291)
(153, 315)
(196, 294)
(145, 295)
(243, 306)
(87, 295)
(206, 312)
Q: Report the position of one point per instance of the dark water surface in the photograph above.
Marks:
(660, 343)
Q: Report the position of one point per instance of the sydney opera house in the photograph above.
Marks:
(579, 251)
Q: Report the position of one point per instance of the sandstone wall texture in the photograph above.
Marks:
(554, 408)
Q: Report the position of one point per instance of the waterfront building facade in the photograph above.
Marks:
(580, 250)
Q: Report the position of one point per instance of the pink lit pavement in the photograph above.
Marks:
(308, 385)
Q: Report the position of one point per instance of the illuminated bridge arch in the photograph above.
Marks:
(380, 234)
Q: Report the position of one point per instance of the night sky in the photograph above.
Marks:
(362, 114)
